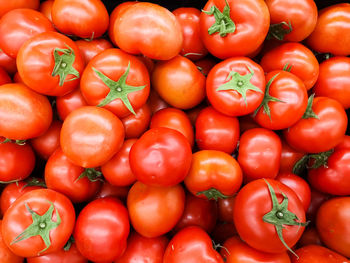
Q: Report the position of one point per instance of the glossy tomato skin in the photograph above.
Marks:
(344, 144)
(148, 29)
(253, 201)
(317, 199)
(191, 244)
(6, 6)
(225, 209)
(35, 63)
(21, 107)
(230, 102)
(252, 22)
(319, 135)
(154, 211)
(86, 123)
(91, 48)
(108, 190)
(45, 8)
(331, 34)
(136, 125)
(155, 102)
(17, 218)
(103, 224)
(19, 25)
(216, 131)
(289, 157)
(259, 154)
(298, 57)
(317, 253)
(152, 158)
(310, 237)
(6, 255)
(69, 102)
(235, 251)
(82, 18)
(113, 63)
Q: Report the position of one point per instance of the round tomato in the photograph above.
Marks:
(8, 63)
(91, 48)
(6, 6)
(289, 159)
(108, 190)
(310, 237)
(69, 102)
(317, 199)
(225, 209)
(45, 8)
(6, 255)
(4, 77)
(155, 102)
(317, 254)
(136, 125)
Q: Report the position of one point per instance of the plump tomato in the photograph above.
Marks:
(310, 237)
(317, 254)
(6, 6)
(6, 255)
(45, 8)
(108, 190)
(155, 102)
(289, 158)
(225, 209)
(69, 102)
(4, 77)
(91, 48)
(317, 199)
(136, 125)
(8, 63)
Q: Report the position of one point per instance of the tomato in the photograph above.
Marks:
(235, 251)
(247, 122)
(108, 190)
(102, 229)
(216, 131)
(90, 136)
(317, 254)
(223, 231)
(317, 199)
(179, 82)
(152, 158)
(136, 125)
(155, 102)
(50, 63)
(6, 6)
(174, 119)
(205, 65)
(297, 58)
(39, 222)
(21, 107)
(225, 209)
(289, 158)
(45, 8)
(192, 114)
(334, 79)
(344, 144)
(91, 48)
(234, 28)
(4, 77)
(148, 29)
(8, 63)
(143, 249)
(6, 254)
(284, 103)
(259, 154)
(19, 25)
(213, 175)
(310, 237)
(192, 47)
(117, 170)
(116, 81)
(69, 102)
(236, 86)
(332, 32)
(322, 127)
(292, 21)
(191, 244)
(82, 18)
(269, 216)
(153, 210)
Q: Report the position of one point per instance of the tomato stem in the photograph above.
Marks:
(213, 193)
(309, 113)
(279, 30)
(92, 174)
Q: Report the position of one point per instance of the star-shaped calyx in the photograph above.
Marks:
(278, 31)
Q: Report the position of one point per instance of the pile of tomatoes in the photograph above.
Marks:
(143, 133)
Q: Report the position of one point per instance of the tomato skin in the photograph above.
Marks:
(259, 154)
(317, 254)
(45, 8)
(108, 190)
(152, 158)
(205, 65)
(6, 6)
(289, 157)
(179, 82)
(143, 249)
(191, 244)
(223, 231)
(90, 136)
(237, 251)
(216, 131)
(83, 18)
(319, 135)
(252, 21)
(332, 32)
(225, 209)
(91, 48)
(344, 144)
(334, 79)
(230, 102)
(4, 77)
(302, 61)
(310, 237)
(154, 211)
(8, 63)
(21, 107)
(136, 125)
(35, 63)
(252, 202)
(104, 225)
(69, 102)
(317, 199)
(6, 254)
(155, 102)
(17, 218)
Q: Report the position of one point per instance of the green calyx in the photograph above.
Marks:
(239, 83)
(278, 31)
(118, 89)
(34, 182)
(287, 67)
(280, 216)
(223, 22)
(64, 59)
(309, 113)
(213, 194)
(19, 142)
(69, 243)
(92, 174)
(41, 226)
(317, 160)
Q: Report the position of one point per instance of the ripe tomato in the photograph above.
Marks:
(344, 144)
(8, 63)
(310, 237)
(21, 107)
(102, 229)
(317, 199)
(225, 209)
(90, 136)
(289, 158)
(317, 254)
(136, 125)
(6, 6)
(153, 210)
(205, 65)
(39, 222)
(108, 190)
(234, 28)
(6, 255)
(45, 8)
(4, 77)
(91, 48)
(69, 102)
(155, 102)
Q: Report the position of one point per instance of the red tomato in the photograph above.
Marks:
(21, 107)
(82, 18)
(108, 190)
(317, 254)
(6, 255)
(332, 32)
(8, 63)
(136, 125)
(91, 48)
(310, 237)
(102, 229)
(155, 102)
(247, 122)
(317, 199)
(236, 86)
(154, 211)
(50, 63)
(205, 65)
(216, 131)
(6, 5)
(148, 29)
(45, 8)
(90, 136)
(39, 222)
(69, 102)
(225, 209)
(4, 77)
(234, 28)
(191, 244)
(344, 144)
(289, 158)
